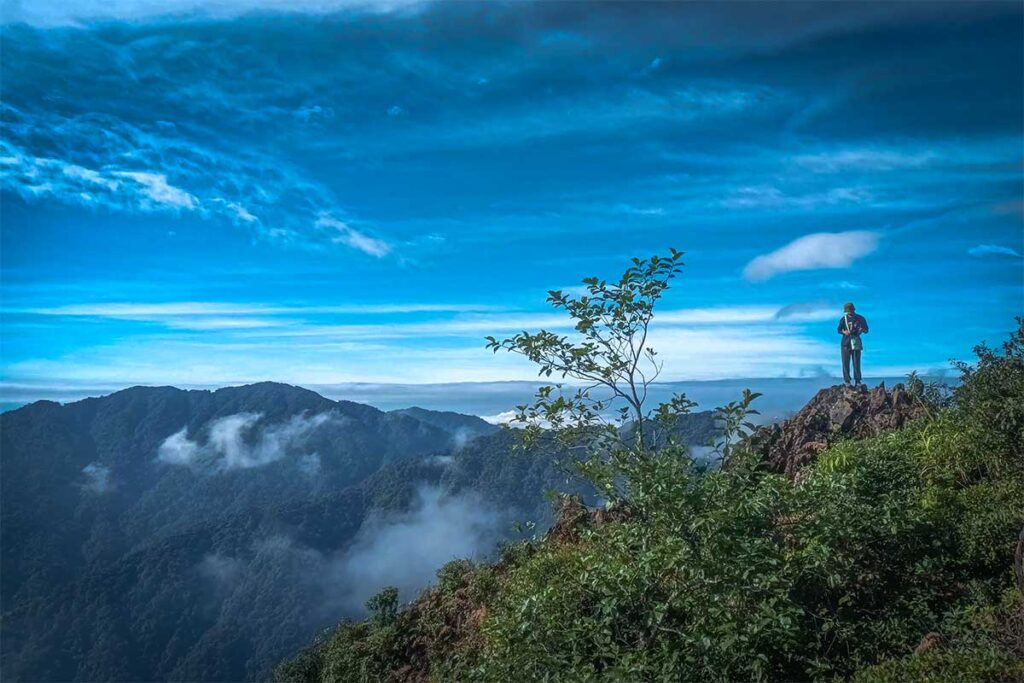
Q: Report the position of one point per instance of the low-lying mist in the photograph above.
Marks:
(405, 550)
(240, 441)
(401, 549)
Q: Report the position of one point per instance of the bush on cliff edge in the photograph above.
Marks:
(890, 559)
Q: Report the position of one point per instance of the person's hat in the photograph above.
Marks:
(848, 307)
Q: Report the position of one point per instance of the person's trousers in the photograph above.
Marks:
(851, 355)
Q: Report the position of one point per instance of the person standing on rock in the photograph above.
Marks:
(851, 327)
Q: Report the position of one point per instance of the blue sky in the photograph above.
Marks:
(327, 192)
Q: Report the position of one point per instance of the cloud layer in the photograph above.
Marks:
(188, 199)
(698, 343)
(107, 163)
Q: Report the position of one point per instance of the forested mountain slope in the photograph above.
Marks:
(128, 520)
(162, 534)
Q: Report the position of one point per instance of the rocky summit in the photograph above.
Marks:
(835, 413)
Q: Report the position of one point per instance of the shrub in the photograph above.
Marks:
(737, 573)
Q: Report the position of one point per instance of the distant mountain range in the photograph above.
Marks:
(167, 534)
(782, 395)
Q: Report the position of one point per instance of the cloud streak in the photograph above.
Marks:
(822, 250)
(159, 191)
(705, 343)
(767, 196)
(996, 250)
(268, 320)
(79, 12)
(344, 233)
(865, 159)
(147, 311)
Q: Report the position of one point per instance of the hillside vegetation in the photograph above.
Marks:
(887, 558)
(162, 534)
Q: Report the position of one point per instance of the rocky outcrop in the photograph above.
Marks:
(572, 517)
(835, 413)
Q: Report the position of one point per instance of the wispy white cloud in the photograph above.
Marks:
(472, 326)
(79, 12)
(604, 112)
(241, 213)
(762, 350)
(864, 159)
(178, 449)
(346, 234)
(983, 250)
(220, 322)
(255, 322)
(193, 309)
(724, 315)
(503, 418)
(156, 187)
(87, 175)
(313, 113)
(417, 353)
(630, 210)
(240, 442)
(843, 284)
(652, 66)
(768, 196)
(812, 252)
(476, 325)
(102, 161)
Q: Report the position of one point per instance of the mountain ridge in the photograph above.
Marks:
(111, 504)
(200, 534)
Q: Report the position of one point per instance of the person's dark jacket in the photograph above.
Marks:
(858, 325)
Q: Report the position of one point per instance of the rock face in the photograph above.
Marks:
(834, 413)
(572, 516)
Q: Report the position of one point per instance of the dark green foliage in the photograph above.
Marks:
(980, 644)
(734, 424)
(383, 607)
(742, 574)
(931, 394)
(989, 387)
(440, 632)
